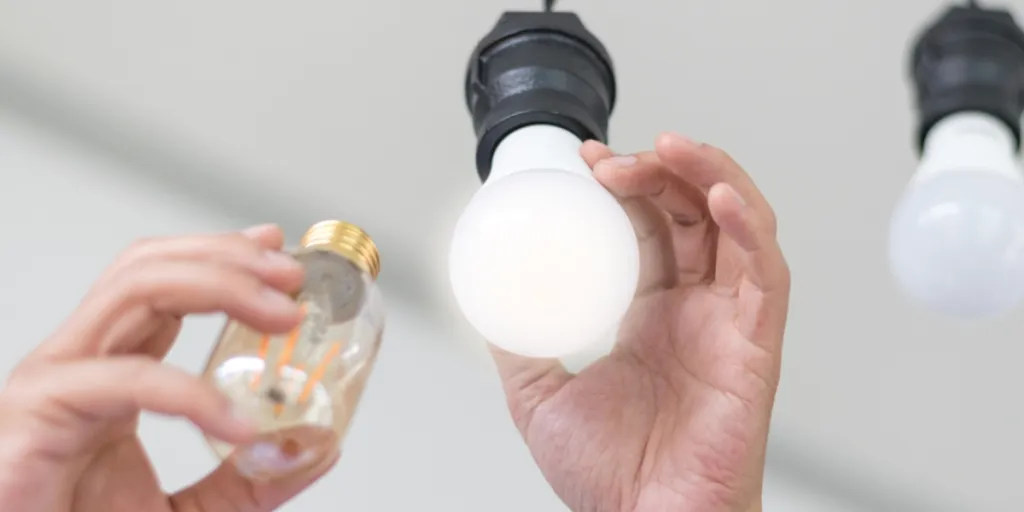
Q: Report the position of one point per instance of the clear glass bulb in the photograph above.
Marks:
(956, 239)
(544, 261)
(302, 388)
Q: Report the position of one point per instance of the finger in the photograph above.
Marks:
(644, 175)
(269, 236)
(528, 383)
(161, 333)
(735, 219)
(632, 181)
(226, 490)
(159, 339)
(703, 166)
(593, 151)
(657, 263)
(76, 400)
(670, 220)
(608, 169)
(659, 269)
(171, 288)
(625, 176)
(762, 259)
(750, 255)
(255, 249)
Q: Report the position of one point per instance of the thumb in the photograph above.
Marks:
(528, 383)
(225, 490)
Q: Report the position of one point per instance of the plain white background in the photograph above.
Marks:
(295, 112)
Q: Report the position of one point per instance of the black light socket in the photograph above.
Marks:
(538, 68)
(969, 59)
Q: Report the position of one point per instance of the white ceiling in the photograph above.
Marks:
(307, 110)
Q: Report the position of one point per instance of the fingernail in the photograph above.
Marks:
(280, 259)
(256, 230)
(274, 299)
(618, 161)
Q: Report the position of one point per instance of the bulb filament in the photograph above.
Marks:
(314, 331)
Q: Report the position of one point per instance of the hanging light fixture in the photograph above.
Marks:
(544, 261)
(956, 240)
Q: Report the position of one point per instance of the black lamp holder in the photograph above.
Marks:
(538, 68)
(969, 59)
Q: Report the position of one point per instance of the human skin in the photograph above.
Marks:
(69, 413)
(676, 417)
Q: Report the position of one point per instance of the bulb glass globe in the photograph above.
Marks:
(544, 261)
(956, 239)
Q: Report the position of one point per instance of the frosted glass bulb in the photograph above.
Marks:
(544, 261)
(956, 241)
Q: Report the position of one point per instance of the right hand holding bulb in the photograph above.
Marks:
(70, 410)
(676, 416)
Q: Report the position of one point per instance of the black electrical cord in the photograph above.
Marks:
(549, 5)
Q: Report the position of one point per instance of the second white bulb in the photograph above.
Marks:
(956, 242)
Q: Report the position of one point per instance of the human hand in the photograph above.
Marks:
(676, 416)
(69, 412)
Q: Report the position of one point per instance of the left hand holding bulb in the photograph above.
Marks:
(70, 411)
(676, 417)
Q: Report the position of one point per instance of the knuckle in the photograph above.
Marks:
(26, 390)
(236, 247)
(136, 370)
(716, 153)
(129, 285)
(243, 288)
(664, 139)
(11, 396)
(18, 374)
(24, 444)
(138, 247)
(139, 374)
(137, 365)
(235, 282)
(238, 239)
(721, 159)
(24, 378)
(136, 251)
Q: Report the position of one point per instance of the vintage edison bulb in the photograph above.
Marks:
(301, 388)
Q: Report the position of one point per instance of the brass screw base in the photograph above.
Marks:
(347, 240)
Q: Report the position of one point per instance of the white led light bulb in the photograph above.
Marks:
(544, 261)
(956, 241)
